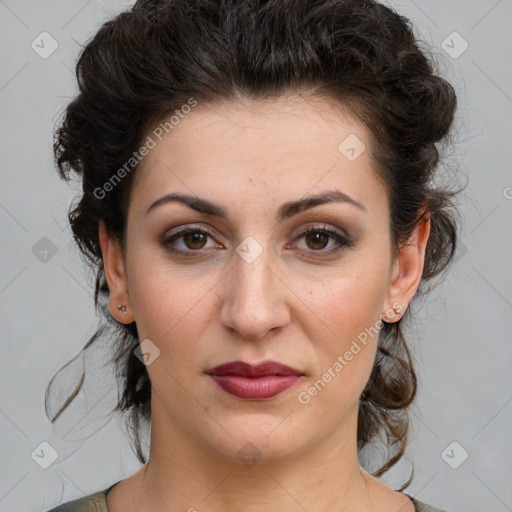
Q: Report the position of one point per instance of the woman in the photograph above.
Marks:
(258, 196)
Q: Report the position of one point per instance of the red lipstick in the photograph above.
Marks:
(254, 382)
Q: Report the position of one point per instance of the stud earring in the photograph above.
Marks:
(397, 309)
(122, 308)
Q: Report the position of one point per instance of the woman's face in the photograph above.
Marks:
(245, 284)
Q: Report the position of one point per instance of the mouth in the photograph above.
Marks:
(255, 382)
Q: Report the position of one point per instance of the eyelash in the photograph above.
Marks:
(342, 241)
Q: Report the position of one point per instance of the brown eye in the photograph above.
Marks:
(195, 239)
(187, 242)
(317, 240)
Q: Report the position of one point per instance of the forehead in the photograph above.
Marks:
(287, 146)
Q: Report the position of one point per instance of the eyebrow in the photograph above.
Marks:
(285, 211)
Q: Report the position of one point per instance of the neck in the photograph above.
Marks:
(184, 474)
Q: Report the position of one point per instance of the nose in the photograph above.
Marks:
(254, 300)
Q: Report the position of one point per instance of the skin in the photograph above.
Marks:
(290, 304)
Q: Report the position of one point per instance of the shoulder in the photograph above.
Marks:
(96, 502)
(424, 507)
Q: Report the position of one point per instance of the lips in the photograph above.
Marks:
(247, 370)
(254, 382)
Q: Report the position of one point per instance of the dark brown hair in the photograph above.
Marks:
(146, 63)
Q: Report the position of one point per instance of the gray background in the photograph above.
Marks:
(461, 338)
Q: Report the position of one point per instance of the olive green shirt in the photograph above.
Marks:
(97, 502)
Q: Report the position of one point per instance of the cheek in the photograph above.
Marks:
(346, 357)
(171, 309)
(155, 310)
(351, 309)
(349, 305)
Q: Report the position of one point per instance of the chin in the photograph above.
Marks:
(256, 438)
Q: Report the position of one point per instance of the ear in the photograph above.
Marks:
(407, 270)
(113, 262)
